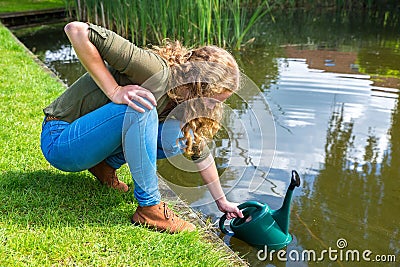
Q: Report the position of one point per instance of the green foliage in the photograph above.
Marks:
(220, 22)
(337, 4)
(51, 218)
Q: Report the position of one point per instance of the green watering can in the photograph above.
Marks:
(261, 225)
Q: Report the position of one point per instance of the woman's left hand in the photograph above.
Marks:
(229, 208)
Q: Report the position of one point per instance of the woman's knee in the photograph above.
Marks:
(169, 139)
(134, 116)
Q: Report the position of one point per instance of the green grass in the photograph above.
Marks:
(52, 218)
(25, 5)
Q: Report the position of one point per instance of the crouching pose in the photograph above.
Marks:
(120, 112)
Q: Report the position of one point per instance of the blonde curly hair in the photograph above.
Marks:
(197, 75)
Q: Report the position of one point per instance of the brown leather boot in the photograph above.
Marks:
(108, 176)
(161, 218)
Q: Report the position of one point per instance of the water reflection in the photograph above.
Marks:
(51, 45)
(351, 194)
(333, 93)
(334, 128)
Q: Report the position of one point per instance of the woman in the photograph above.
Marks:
(107, 117)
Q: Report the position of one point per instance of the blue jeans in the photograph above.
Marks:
(119, 135)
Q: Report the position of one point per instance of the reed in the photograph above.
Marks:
(221, 22)
(342, 5)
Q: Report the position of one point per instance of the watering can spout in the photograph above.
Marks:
(282, 215)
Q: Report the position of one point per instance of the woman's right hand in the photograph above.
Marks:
(133, 94)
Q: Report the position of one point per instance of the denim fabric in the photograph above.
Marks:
(119, 135)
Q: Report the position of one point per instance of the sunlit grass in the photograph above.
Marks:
(25, 5)
(52, 218)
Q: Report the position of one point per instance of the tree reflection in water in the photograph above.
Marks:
(356, 199)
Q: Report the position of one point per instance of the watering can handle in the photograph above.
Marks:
(241, 206)
(222, 226)
(250, 204)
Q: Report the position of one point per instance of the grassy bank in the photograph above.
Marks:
(25, 5)
(51, 218)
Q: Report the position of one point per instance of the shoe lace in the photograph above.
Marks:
(167, 212)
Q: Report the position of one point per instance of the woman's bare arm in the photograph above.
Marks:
(209, 174)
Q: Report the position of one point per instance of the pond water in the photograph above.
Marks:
(327, 106)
